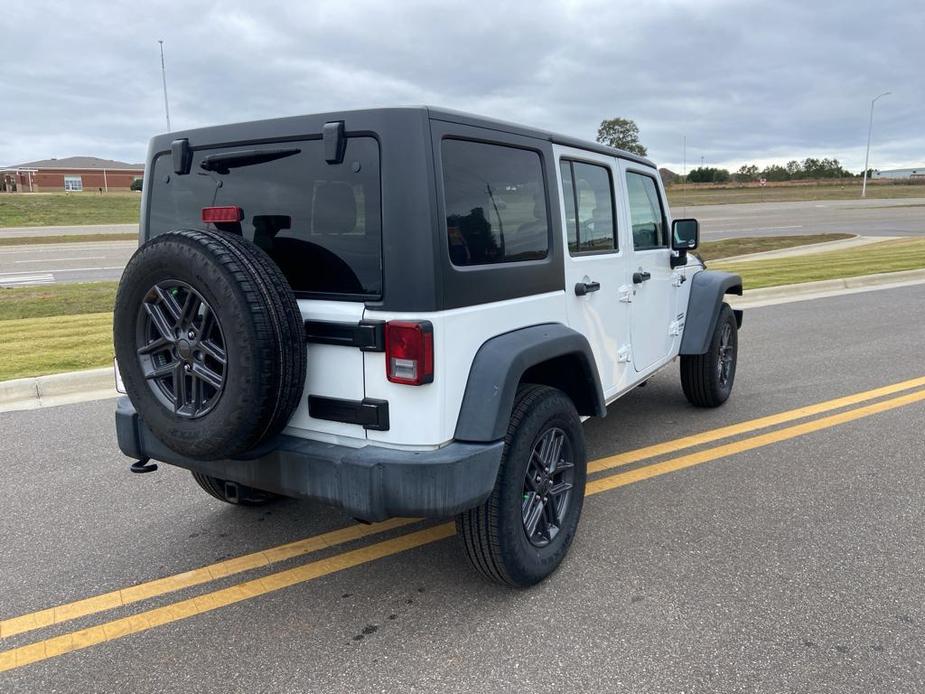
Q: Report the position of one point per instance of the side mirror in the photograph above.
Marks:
(685, 236)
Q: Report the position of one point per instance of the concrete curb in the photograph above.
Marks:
(42, 391)
(807, 249)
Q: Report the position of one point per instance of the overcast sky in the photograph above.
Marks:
(744, 82)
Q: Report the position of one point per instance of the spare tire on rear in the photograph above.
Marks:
(210, 342)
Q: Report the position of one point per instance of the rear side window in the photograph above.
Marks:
(645, 212)
(495, 203)
(587, 191)
(320, 222)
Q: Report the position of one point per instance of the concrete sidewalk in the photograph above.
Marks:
(808, 249)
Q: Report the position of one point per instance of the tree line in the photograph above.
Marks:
(623, 133)
(809, 168)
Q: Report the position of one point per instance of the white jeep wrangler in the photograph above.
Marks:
(407, 312)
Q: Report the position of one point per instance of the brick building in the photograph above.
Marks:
(72, 174)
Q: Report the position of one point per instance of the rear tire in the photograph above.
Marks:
(246, 496)
(495, 534)
(707, 378)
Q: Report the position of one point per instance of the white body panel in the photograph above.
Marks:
(655, 301)
(333, 371)
(633, 330)
(426, 415)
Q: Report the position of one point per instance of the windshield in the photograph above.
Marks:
(320, 222)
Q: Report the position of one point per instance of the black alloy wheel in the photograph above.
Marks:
(547, 487)
(181, 348)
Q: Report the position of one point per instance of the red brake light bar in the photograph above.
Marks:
(217, 215)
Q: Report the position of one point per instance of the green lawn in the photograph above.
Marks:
(56, 300)
(886, 256)
(68, 209)
(712, 250)
(38, 346)
(692, 195)
(65, 238)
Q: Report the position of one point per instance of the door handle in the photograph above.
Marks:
(583, 288)
(640, 277)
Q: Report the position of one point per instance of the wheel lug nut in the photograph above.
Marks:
(191, 334)
(187, 367)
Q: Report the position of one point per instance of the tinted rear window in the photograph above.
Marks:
(320, 222)
(495, 203)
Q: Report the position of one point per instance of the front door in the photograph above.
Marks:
(654, 291)
(595, 270)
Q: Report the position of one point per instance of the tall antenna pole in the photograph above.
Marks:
(684, 158)
(164, 79)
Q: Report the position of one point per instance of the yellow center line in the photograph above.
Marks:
(184, 609)
(187, 579)
(206, 574)
(638, 454)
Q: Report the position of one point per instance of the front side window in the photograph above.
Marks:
(589, 210)
(495, 203)
(645, 212)
(73, 183)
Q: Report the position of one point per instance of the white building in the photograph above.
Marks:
(900, 173)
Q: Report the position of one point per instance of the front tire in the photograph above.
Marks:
(707, 378)
(521, 533)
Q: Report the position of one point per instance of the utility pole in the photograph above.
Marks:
(870, 127)
(164, 80)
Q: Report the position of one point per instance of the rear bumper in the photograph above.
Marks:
(371, 483)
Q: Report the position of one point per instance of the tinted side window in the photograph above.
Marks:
(587, 188)
(495, 203)
(645, 212)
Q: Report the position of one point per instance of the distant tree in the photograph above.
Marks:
(621, 133)
(746, 173)
(136, 184)
(775, 172)
(708, 174)
(794, 169)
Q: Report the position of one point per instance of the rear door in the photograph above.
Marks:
(654, 282)
(320, 222)
(595, 272)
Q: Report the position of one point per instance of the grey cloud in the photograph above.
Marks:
(762, 81)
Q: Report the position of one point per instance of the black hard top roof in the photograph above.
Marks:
(514, 128)
(276, 126)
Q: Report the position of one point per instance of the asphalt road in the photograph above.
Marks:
(867, 217)
(64, 262)
(905, 217)
(792, 562)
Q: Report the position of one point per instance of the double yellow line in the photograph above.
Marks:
(184, 609)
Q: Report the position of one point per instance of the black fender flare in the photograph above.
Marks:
(708, 288)
(500, 364)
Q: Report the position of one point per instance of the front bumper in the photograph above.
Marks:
(371, 483)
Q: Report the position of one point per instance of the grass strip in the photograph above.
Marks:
(67, 209)
(691, 197)
(726, 248)
(57, 300)
(64, 238)
(886, 256)
(39, 346)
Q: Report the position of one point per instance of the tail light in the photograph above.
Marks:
(409, 352)
(218, 215)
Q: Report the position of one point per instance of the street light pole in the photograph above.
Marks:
(164, 80)
(870, 127)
